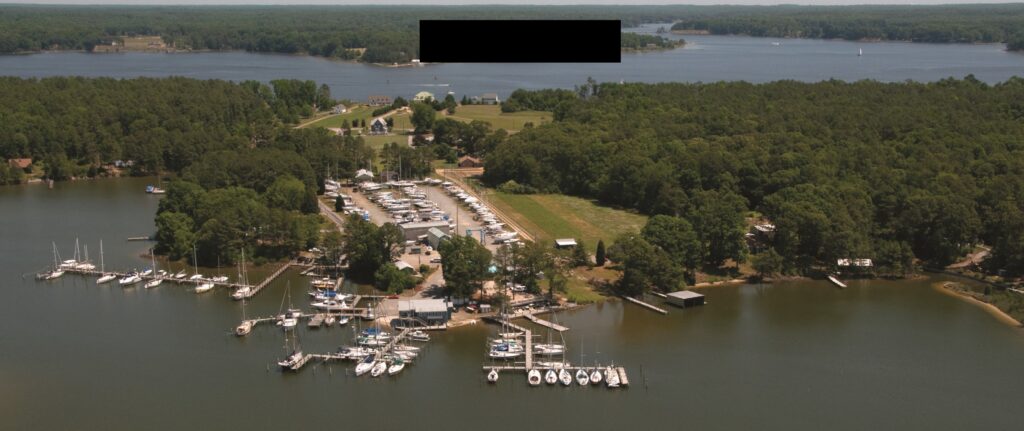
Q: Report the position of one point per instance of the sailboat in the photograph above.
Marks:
(245, 291)
(611, 377)
(295, 358)
(85, 264)
(397, 365)
(57, 271)
(582, 377)
(378, 368)
(492, 376)
(290, 319)
(860, 52)
(130, 279)
(365, 365)
(245, 327)
(551, 377)
(565, 377)
(104, 276)
(204, 286)
(156, 279)
(595, 377)
(533, 377)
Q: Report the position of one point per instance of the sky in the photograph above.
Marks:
(509, 2)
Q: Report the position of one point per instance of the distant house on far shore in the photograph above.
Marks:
(490, 99)
(378, 100)
(423, 96)
(20, 163)
(470, 162)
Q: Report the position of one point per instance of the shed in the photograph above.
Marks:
(470, 162)
(685, 298)
(435, 236)
(412, 231)
(565, 243)
(403, 265)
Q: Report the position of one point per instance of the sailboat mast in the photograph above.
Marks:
(103, 266)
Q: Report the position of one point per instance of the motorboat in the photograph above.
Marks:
(582, 377)
(611, 377)
(195, 277)
(180, 275)
(407, 356)
(365, 365)
(378, 368)
(289, 322)
(57, 273)
(147, 272)
(331, 305)
(244, 328)
(404, 348)
(595, 376)
(105, 278)
(371, 341)
(204, 287)
(355, 352)
(69, 264)
(533, 377)
(343, 320)
(492, 376)
(419, 335)
(397, 365)
(292, 360)
(130, 279)
(551, 377)
(376, 332)
(329, 320)
(548, 349)
(220, 279)
(154, 283)
(241, 293)
(564, 377)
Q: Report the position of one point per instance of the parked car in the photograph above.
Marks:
(435, 260)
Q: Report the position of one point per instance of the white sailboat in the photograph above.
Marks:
(85, 264)
(130, 279)
(292, 361)
(290, 319)
(58, 269)
(533, 377)
(565, 377)
(860, 52)
(492, 376)
(180, 274)
(595, 376)
(365, 365)
(397, 365)
(156, 279)
(245, 291)
(104, 276)
(202, 287)
(551, 377)
(582, 377)
(611, 377)
(378, 368)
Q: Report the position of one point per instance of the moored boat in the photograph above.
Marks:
(154, 283)
(611, 377)
(397, 365)
(204, 287)
(419, 335)
(379, 368)
(564, 377)
(533, 377)
(241, 293)
(244, 328)
(551, 377)
(365, 365)
(595, 376)
(129, 279)
(492, 376)
(582, 377)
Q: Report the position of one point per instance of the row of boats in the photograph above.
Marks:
(552, 376)
(491, 225)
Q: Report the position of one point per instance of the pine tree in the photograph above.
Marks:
(599, 255)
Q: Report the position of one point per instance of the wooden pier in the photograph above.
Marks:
(266, 282)
(545, 323)
(646, 305)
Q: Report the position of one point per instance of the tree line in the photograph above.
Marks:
(936, 24)
(888, 171)
(645, 41)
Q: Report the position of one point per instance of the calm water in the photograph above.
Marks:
(800, 355)
(705, 58)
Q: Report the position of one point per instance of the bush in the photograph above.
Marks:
(511, 186)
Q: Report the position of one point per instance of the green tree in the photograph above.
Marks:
(766, 263)
(287, 193)
(393, 280)
(644, 267)
(332, 244)
(580, 257)
(676, 236)
(422, 117)
(599, 257)
(464, 262)
(174, 234)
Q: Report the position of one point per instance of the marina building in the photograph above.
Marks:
(413, 231)
(430, 311)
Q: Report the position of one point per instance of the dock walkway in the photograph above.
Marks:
(545, 323)
(646, 305)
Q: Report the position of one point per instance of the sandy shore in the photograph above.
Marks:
(992, 309)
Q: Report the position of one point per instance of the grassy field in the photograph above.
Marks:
(379, 141)
(558, 216)
(358, 113)
(492, 114)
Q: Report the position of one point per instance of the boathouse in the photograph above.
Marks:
(430, 311)
(685, 298)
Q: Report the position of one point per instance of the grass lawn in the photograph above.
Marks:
(358, 113)
(558, 216)
(492, 114)
(379, 141)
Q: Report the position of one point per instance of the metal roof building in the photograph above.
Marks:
(685, 298)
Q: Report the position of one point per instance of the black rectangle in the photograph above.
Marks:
(520, 41)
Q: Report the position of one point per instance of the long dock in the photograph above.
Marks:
(266, 281)
(646, 305)
(545, 323)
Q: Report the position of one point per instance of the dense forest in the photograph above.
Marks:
(389, 34)
(939, 24)
(865, 169)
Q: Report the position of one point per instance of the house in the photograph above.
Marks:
(412, 231)
(470, 162)
(429, 311)
(490, 99)
(474, 100)
(378, 100)
(423, 96)
(685, 298)
(363, 175)
(405, 266)
(339, 109)
(20, 163)
(435, 236)
(379, 126)
(861, 263)
(565, 243)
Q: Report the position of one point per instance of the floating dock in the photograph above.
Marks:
(545, 323)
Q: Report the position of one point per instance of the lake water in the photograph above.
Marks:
(705, 58)
(795, 356)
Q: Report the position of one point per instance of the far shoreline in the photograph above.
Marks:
(1000, 315)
